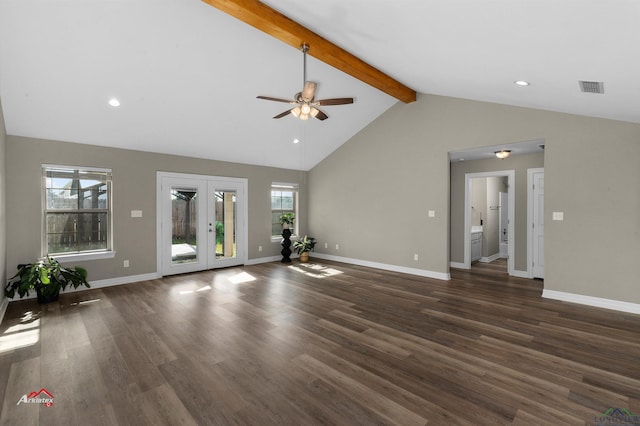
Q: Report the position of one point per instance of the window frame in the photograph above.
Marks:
(282, 186)
(80, 255)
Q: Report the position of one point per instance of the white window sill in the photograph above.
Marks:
(80, 257)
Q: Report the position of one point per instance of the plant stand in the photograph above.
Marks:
(286, 244)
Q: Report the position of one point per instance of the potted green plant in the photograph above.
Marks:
(287, 219)
(303, 246)
(47, 277)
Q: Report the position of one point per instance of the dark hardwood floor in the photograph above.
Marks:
(321, 343)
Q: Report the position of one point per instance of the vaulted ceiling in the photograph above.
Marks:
(187, 74)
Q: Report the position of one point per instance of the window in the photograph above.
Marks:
(284, 199)
(77, 210)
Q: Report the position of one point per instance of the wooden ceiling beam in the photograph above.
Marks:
(274, 23)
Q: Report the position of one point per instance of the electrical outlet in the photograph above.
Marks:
(126, 264)
(259, 248)
(432, 213)
(558, 216)
(415, 257)
(326, 245)
(136, 213)
(337, 247)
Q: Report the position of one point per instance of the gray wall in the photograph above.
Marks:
(372, 194)
(518, 163)
(134, 188)
(3, 204)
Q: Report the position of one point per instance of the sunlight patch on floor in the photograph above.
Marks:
(315, 270)
(22, 327)
(85, 302)
(27, 333)
(242, 277)
(205, 288)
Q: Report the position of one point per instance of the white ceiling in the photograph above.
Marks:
(187, 74)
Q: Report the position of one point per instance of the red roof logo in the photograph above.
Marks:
(42, 396)
(40, 392)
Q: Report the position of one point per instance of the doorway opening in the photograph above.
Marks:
(482, 214)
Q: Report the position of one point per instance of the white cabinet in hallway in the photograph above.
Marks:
(476, 246)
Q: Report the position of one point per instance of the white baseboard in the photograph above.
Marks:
(490, 258)
(520, 274)
(457, 265)
(3, 308)
(109, 282)
(385, 266)
(262, 260)
(598, 302)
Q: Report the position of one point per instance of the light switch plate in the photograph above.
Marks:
(432, 213)
(558, 216)
(136, 213)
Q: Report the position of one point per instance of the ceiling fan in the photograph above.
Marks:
(305, 102)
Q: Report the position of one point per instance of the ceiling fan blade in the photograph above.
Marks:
(283, 114)
(334, 101)
(318, 114)
(309, 91)
(269, 98)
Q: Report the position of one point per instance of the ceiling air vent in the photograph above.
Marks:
(591, 86)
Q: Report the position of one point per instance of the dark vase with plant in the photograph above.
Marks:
(47, 277)
(303, 246)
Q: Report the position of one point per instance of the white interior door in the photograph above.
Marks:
(202, 222)
(538, 225)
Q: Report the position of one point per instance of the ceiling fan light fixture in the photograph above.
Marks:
(305, 101)
(502, 154)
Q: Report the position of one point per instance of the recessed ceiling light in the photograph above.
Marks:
(296, 140)
(522, 83)
(114, 102)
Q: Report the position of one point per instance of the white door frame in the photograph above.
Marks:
(242, 217)
(530, 216)
(511, 183)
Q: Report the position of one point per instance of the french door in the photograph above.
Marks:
(201, 222)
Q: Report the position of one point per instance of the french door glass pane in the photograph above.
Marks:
(184, 225)
(225, 224)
